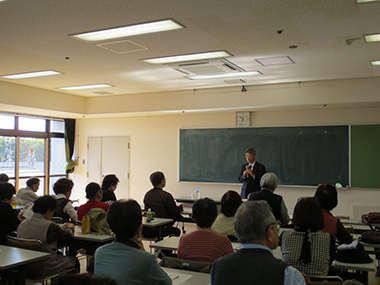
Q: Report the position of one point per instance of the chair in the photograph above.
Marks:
(57, 220)
(35, 272)
(328, 280)
(199, 266)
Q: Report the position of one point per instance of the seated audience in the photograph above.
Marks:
(40, 227)
(254, 263)
(203, 244)
(162, 204)
(94, 195)
(9, 221)
(327, 197)
(306, 247)
(4, 177)
(64, 209)
(269, 183)
(109, 185)
(123, 259)
(224, 223)
(28, 194)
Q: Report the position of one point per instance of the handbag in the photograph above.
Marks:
(371, 218)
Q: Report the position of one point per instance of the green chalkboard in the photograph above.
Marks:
(298, 155)
(365, 156)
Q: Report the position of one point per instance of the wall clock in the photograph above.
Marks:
(243, 119)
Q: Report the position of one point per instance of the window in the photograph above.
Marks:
(32, 147)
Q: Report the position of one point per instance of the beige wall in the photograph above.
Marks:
(155, 146)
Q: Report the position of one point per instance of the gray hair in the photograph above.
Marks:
(251, 150)
(252, 220)
(269, 181)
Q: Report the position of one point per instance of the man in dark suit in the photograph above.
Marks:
(251, 173)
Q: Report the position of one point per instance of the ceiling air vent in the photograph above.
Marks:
(218, 66)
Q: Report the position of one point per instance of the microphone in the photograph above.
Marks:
(247, 167)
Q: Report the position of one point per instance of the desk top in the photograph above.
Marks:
(91, 237)
(13, 256)
(186, 277)
(188, 199)
(156, 222)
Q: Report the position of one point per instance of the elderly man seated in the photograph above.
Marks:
(269, 183)
(254, 263)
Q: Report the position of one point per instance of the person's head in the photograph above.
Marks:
(308, 214)
(205, 212)
(157, 179)
(124, 218)
(250, 155)
(110, 182)
(45, 205)
(269, 181)
(33, 183)
(63, 186)
(254, 222)
(327, 196)
(229, 203)
(7, 190)
(94, 192)
(4, 177)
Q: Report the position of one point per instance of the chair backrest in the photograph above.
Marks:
(57, 220)
(172, 262)
(36, 269)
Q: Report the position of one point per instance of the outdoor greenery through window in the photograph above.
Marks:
(32, 147)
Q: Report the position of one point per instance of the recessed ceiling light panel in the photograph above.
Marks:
(127, 31)
(31, 74)
(79, 87)
(372, 38)
(224, 75)
(365, 1)
(375, 62)
(187, 57)
(281, 60)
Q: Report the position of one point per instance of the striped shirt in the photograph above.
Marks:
(203, 246)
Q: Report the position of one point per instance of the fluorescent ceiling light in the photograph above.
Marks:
(375, 62)
(85, 86)
(224, 75)
(187, 57)
(364, 1)
(372, 38)
(275, 60)
(31, 74)
(127, 31)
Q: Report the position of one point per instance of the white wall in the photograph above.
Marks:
(155, 146)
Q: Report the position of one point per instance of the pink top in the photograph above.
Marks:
(85, 208)
(203, 246)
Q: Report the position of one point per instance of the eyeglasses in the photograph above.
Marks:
(276, 224)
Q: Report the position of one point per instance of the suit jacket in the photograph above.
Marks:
(251, 184)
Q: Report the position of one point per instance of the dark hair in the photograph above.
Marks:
(230, 202)
(91, 190)
(205, 212)
(109, 180)
(327, 196)
(251, 150)
(4, 177)
(308, 214)
(63, 185)
(82, 279)
(32, 181)
(124, 218)
(44, 204)
(7, 190)
(156, 178)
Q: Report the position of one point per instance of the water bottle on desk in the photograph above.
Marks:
(149, 215)
(197, 193)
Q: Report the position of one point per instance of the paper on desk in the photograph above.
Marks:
(27, 211)
(179, 278)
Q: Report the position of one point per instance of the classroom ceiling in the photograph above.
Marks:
(323, 39)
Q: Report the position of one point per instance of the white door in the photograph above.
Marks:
(109, 155)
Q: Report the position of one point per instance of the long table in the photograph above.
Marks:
(158, 223)
(13, 257)
(185, 277)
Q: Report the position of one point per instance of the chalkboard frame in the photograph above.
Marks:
(209, 161)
